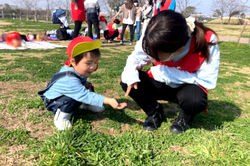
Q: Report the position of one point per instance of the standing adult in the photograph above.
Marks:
(129, 11)
(147, 12)
(92, 9)
(137, 26)
(78, 15)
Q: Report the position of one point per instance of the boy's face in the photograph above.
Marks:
(86, 66)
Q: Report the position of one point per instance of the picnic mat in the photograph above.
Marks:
(31, 45)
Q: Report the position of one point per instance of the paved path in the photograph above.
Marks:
(233, 39)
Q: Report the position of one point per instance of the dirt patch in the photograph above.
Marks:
(36, 130)
(180, 149)
(7, 87)
(111, 93)
(96, 127)
(5, 23)
(13, 156)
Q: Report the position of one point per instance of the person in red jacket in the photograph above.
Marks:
(161, 5)
(78, 15)
(112, 31)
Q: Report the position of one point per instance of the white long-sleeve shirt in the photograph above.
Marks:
(206, 75)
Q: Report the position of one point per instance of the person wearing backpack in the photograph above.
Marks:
(69, 88)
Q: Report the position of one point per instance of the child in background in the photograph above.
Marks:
(102, 25)
(185, 57)
(69, 88)
(112, 31)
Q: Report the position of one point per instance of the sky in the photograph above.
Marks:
(202, 6)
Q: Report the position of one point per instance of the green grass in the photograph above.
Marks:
(116, 137)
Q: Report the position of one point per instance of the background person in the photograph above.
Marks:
(147, 12)
(92, 9)
(78, 15)
(161, 5)
(112, 31)
(129, 11)
(137, 25)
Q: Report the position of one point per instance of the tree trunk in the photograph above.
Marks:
(243, 29)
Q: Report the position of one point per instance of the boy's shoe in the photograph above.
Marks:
(121, 42)
(130, 43)
(62, 120)
(180, 124)
(91, 108)
(154, 121)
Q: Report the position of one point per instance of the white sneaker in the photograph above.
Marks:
(91, 108)
(62, 120)
(130, 43)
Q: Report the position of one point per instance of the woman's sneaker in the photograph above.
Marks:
(181, 123)
(121, 42)
(62, 120)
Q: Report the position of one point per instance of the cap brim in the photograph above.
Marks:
(85, 47)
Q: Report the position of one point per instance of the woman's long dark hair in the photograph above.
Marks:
(168, 31)
(129, 4)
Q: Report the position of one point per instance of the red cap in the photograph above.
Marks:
(80, 45)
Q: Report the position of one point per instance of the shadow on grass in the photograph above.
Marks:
(110, 113)
(219, 112)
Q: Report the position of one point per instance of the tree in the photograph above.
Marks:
(221, 7)
(115, 4)
(229, 7)
(27, 4)
(217, 13)
(188, 11)
(181, 5)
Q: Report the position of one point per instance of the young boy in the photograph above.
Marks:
(69, 88)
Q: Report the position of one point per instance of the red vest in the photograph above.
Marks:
(111, 30)
(190, 62)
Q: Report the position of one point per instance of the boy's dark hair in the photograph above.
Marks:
(93, 53)
(117, 21)
(168, 31)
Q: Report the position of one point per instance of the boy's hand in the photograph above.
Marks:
(114, 104)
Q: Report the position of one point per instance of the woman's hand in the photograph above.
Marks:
(134, 85)
(114, 104)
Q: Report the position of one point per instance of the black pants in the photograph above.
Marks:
(106, 35)
(124, 26)
(191, 98)
(78, 25)
(93, 21)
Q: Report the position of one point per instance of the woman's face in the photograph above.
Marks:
(165, 56)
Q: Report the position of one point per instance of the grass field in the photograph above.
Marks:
(230, 30)
(116, 137)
